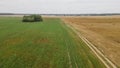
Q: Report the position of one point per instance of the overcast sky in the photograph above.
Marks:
(60, 6)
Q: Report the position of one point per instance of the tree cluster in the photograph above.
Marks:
(32, 18)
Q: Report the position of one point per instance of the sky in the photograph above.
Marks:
(60, 6)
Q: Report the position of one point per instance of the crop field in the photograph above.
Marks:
(102, 31)
(48, 44)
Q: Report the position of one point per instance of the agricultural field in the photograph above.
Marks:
(102, 31)
(47, 44)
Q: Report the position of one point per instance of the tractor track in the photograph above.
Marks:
(96, 51)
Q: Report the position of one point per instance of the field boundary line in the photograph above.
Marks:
(96, 51)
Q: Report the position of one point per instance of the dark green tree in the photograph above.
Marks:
(32, 18)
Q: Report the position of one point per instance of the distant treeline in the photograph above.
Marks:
(105, 14)
(6, 14)
(79, 14)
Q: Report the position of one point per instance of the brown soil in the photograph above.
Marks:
(103, 32)
(13, 41)
(42, 40)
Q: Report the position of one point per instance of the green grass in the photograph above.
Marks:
(42, 45)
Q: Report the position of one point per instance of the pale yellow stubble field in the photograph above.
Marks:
(102, 31)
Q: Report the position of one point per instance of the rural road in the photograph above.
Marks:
(96, 51)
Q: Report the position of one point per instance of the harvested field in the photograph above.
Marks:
(103, 32)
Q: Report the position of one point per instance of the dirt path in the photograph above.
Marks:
(96, 51)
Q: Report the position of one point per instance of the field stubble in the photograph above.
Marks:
(103, 32)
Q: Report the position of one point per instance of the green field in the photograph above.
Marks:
(49, 44)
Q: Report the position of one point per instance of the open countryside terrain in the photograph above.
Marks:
(102, 31)
(47, 44)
